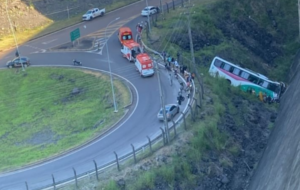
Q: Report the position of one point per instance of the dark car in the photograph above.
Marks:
(17, 62)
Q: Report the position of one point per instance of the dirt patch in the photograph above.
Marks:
(44, 137)
(84, 43)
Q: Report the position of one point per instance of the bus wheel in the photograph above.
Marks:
(229, 82)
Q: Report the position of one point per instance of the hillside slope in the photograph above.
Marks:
(22, 16)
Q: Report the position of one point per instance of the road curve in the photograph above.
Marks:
(142, 121)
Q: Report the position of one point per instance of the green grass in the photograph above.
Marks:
(51, 26)
(40, 118)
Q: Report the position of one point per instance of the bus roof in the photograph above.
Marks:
(248, 70)
(144, 58)
(131, 44)
(125, 29)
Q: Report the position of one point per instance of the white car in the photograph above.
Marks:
(150, 10)
(93, 13)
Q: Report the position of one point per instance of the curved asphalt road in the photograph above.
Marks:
(141, 122)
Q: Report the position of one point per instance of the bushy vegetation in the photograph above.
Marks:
(253, 34)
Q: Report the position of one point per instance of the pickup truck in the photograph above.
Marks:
(93, 13)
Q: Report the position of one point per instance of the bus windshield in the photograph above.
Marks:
(274, 87)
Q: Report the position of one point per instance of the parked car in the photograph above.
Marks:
(150, 10)
(171, 111)
(93, 13)
(17, 62)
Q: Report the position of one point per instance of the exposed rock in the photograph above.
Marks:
(224, 179)
(75, 91)
(273, 117)
(121, 183)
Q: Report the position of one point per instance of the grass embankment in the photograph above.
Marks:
(41, 117)
(8, 41)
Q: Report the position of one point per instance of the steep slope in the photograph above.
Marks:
(21, 15)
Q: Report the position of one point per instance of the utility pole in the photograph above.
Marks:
(149, 27)
(299, 17)
(193, 56)
(13, 33)
(163, 105)
(161, 7)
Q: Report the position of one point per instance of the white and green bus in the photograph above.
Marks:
(248, 80)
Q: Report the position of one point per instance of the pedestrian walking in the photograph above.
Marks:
(173, 62)
(176, 64)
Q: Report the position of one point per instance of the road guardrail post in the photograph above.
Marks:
(96, 169)
(133, 152)
(117, 160)
(167, 7)
(174, 125)
(150, 145)
(75, 175)
(184, 122)
(192, 112)
(196, 110)
(173, 5)
(53, 179)
(26, 184)
(163, 134)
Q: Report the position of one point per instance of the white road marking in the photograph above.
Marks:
(48, 42)
(36, 48)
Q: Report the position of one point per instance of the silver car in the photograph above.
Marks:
(150, 10)
(171, 111)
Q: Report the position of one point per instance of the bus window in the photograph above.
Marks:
(236, 71)
(124, 38)
(244, 75)
(129, 37)
(265, 84)
(217, 63)
(253, 79)
(227, 67)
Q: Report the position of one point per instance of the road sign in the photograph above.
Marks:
(75, 34)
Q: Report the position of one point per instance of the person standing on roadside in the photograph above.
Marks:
(170, 79)
(164, 56)
(169, 60)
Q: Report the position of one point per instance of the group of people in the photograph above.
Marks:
(171, 64)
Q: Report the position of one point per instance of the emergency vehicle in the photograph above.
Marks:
(125, 34)
(144, 65)
(131, 49)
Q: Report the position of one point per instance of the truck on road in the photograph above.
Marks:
(93, 13)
